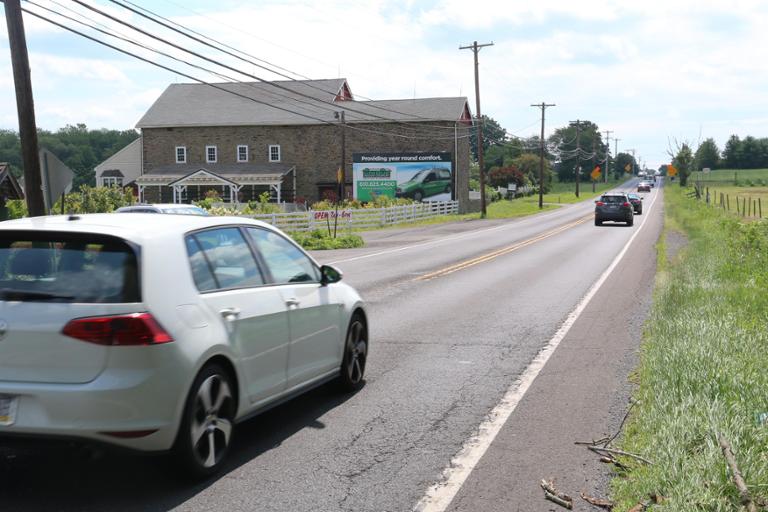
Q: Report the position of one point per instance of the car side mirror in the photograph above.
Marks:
(330, 275)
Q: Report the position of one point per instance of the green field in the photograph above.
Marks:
(703, 366)
(565, 193)
(736, 177)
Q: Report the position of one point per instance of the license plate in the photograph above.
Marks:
(7, 410)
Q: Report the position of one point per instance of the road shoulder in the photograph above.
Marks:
(581, 394)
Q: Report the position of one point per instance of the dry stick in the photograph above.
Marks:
(598, 449)
(760, 206)
(551, 494)
(621, 426)
(738, 480)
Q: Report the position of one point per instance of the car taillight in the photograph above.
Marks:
(600, 203)
(133, 329)
(626, 204)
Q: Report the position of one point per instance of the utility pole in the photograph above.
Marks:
(26, 109)
(476, 49)
(342, 176)
(543, 106)
(578, 153)
(594, 159)
(616, 147)
(607, 154)
(633, 161)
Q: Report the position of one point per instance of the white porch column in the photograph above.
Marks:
(277, 188)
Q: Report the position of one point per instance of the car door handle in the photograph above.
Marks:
(292, 302)
(230, 313)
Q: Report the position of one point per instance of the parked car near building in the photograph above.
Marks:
(162, 339)
(174, 208)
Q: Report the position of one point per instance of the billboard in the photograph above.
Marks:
(424, 176)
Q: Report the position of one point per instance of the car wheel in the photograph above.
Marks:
(447, 189)
(205, 434)
(630, 222)
(418, 195)
(355, 355)
(598, 222)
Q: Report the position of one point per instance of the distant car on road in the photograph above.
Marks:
(637, 203)
(614, 207)
(644, 186)
(174, 208)
(163, 338)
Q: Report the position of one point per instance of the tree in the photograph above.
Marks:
(683, 161)
(707, 155)
(503, 176)
(528, 164)
(732, 153)
(621, 162)
(571, 156)
(493, 134)
(78, 147)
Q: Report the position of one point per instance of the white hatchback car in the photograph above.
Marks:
(160, 332)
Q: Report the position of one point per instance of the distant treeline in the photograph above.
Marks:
(78, 147)
(747, 153)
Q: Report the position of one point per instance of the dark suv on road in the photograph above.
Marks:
(614, 206)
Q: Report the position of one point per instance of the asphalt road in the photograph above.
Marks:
(458, 313)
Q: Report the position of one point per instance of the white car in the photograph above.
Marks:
(160, 332)
(174, 208)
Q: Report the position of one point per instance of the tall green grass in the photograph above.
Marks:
(704, 367)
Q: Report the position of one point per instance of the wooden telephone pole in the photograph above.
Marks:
(26, 109)
(578, 153)
(543, 106)
(475, 49)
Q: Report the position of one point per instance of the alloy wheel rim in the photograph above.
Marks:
(357, 348)
(211, 426)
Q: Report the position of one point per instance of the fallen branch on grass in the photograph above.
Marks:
(738, 480)
(598, 502)
(552, 495)
(608, 459)
(599, 449)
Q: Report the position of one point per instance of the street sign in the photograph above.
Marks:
(596, 173)
(671, 170)
(628, 167)
(57, 178)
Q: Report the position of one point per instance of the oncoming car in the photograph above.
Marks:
(614, 206)
(426, 183)
(643, 186)
(175, 208)
(163, 339)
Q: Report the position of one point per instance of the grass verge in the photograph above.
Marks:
(319, 240)
(703, 367)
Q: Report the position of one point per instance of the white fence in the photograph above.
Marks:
(358, 218)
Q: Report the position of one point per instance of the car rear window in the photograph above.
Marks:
(65, 267)
(614, 199)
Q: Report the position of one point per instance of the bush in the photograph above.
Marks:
(503, 176)
(95, 200)
(354, 204)
(321, 240)
(17, 208)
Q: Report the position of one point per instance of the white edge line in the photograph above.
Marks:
(456, 237)
(439, 496)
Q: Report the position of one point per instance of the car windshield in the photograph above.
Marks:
(67, 267)
(419, 176)
(189, 210)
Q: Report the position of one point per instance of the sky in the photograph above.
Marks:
(657, 73)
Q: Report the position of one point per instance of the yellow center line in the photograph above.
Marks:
(500, 252)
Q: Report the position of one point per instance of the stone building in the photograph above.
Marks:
(241, 139)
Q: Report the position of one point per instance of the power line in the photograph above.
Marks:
(218, 87)
(205, 43)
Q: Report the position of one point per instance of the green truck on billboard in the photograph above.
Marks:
(421, 176)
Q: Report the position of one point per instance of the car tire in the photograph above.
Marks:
(207, 425)
(630, 222)
(598, 222)
(418, 195)
(352, 373)
(447, 189)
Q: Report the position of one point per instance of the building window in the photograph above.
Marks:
(181, 154)
(242, 153)
(210, 154)
(274, 153)
(112, 181)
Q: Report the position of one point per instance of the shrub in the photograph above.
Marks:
(95, 200)
(17, 208)
(321, 240)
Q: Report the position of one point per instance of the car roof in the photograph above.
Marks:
(129, 226)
